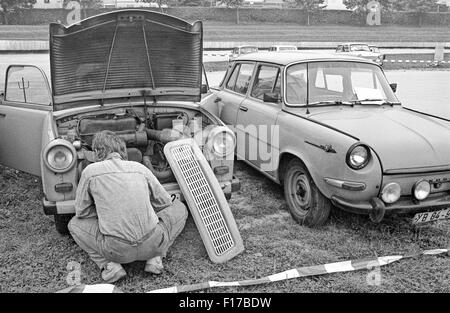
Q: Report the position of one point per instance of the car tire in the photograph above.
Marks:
(307, 205)
(61, 221)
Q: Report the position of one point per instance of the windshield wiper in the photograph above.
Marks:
(331, 102)
(384, 101)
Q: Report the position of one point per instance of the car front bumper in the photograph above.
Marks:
(68, 206)
(403, 205)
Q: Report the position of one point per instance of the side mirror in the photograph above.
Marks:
(204, 88)
(271, 97)
(393, 87)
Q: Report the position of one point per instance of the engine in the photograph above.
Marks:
(145, 134)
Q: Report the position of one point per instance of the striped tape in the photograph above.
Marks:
(316, 270)
(307, 271)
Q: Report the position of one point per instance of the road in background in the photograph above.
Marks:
(428, 91)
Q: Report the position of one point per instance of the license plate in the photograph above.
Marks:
(426, 217)
(175, 196)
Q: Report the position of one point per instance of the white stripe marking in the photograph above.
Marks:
(98, 288)
(339, 267)
(165, 290)
(384, 260)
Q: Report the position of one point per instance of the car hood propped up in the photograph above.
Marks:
(403, 140)
(125, 55)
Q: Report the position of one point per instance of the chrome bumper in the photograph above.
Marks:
(404, 205)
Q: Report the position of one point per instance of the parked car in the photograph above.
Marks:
(135, 72)
(278, 48)
(361, 50)
(330, 129)
(241, 50)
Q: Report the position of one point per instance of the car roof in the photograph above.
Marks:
(284, 58)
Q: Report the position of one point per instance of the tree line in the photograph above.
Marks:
(359, 7)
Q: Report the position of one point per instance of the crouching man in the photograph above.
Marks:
(123, 214)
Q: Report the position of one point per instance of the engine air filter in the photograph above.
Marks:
(205, 199)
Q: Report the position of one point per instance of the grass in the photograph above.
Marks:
(266, 32)
(34, 257)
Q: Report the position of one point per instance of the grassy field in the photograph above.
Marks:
(214, 31)
(34, 257)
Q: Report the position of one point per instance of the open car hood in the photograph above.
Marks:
(125, 54)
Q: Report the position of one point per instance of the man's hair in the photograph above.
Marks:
(106, 142)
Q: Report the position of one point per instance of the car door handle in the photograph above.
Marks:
(217, 100)
(245, 109)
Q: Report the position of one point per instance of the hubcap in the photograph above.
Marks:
(300, 191)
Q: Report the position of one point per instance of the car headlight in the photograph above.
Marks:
(221, 141)
(358, 156)
(391, 193)
(421, 189)
(59, 155)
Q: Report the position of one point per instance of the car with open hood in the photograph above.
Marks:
(361, 50)
(137, 73)
(331, 130)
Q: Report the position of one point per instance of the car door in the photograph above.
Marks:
(257, 130)
(234, 92)
(26, 104)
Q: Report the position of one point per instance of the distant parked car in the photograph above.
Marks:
(241, 50)
(330, 129)
(278, 48)
(361, 50)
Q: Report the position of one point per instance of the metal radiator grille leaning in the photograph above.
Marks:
(205, 199)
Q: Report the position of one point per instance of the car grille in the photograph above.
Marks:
(205, 199)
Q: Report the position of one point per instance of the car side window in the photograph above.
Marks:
(243, 78)
(345, 49)
(26, 84)
(232, 80)
(265, 81)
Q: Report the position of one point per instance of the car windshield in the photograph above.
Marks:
(359, 48)
(336, 82)
(249, 50)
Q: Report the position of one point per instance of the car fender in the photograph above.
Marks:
(324, 150)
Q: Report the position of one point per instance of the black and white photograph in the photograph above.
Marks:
(239, 149)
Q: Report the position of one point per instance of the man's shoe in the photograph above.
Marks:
(154, 265)
(113, 272)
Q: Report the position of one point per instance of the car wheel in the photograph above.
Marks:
(61, 221)
(306, 203)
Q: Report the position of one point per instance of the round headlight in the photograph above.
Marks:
(221, 141)
(60, 158)
(391, 193)
(421, 189)
(358, 156)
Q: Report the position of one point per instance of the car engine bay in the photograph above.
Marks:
(144, 130)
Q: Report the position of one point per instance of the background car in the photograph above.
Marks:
(330, 129)
(278, 48)
(361, 50)
(241, 50)
(128, 85)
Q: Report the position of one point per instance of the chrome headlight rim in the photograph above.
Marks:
(416, 186)
(384, 192)
(53, 145)
(349, 155)
(213, 134)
